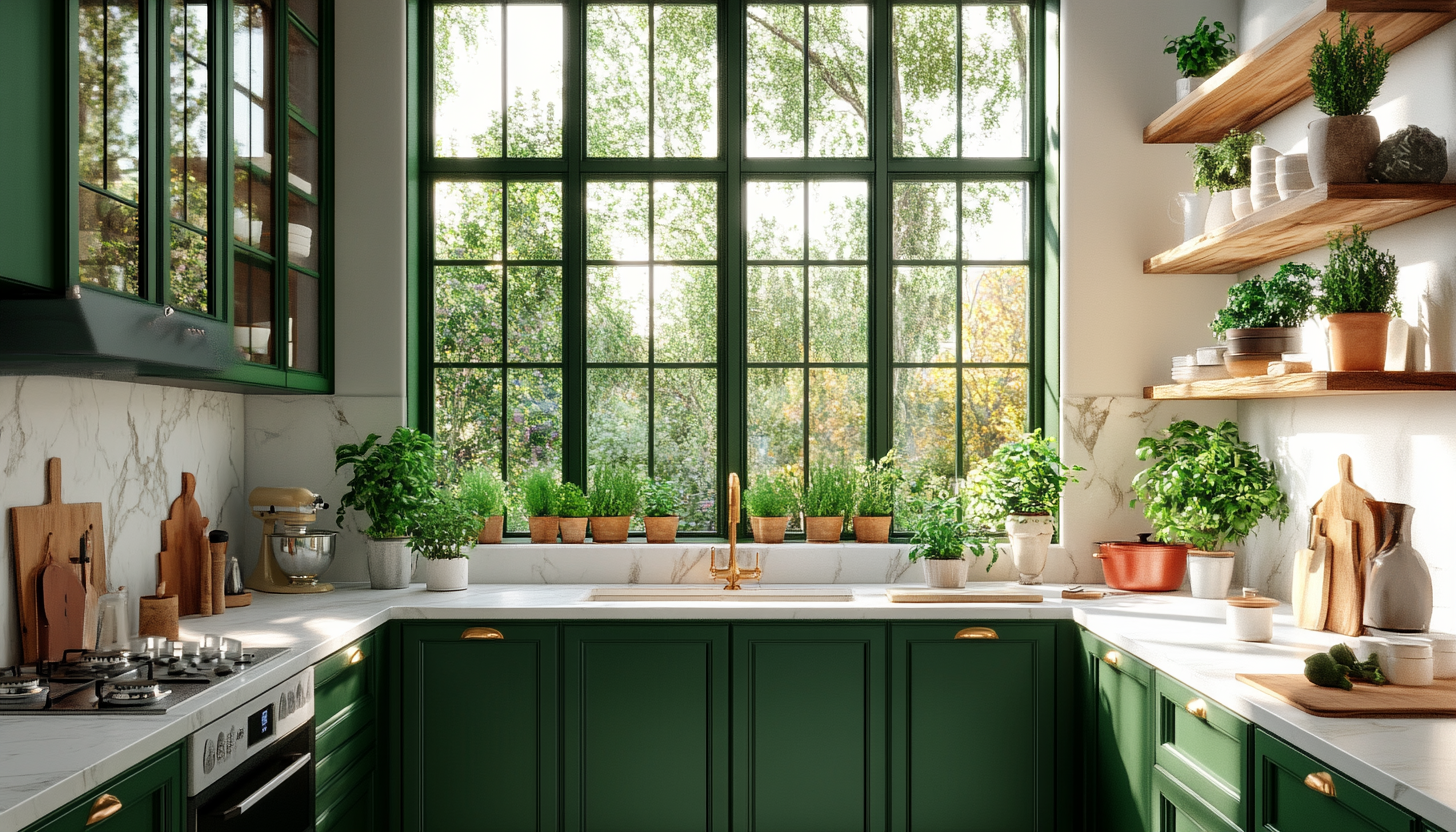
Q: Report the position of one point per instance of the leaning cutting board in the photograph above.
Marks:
(1438, 700)
(1311, 590)
(65, 523)
(1350, 528)
(62, 602)
(184, 545)
(898, 595)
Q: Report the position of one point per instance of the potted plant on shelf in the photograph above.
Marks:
(943, 535)
(389, 484)
(1209, 488)
(1200, 54)
(1357, 300)
(659, 510)
(1024, 481)
(573, 508)
(874, 510)
(1226, 170)
(826, 500)
(770, 502)
(615, 493)
(483, 493)
(538, 498)
(1262, 319)
(1346, 76)
(444, 530)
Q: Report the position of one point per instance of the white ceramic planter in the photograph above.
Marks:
(1031, 538)
(1210, 573)
(446, 574)
(1220, 211)
(1187, 85)
(946, 573)
(391, 562)
(1193, 211)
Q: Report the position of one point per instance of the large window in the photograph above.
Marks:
(697, 238)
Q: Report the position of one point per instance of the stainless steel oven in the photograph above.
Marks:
(253, 770)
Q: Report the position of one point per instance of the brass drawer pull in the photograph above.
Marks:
(356, 655)
(1198, 708)
(482, 633)
(977, 632)
(1322, 782)
(104, 807)
(1112, 657)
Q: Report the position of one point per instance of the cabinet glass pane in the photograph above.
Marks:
(188, 111)
(303, 322)
(188, 284)
(110, 245)
(307, 11)
(303, 237)
(303, 75)
(303, 158)
(109, 95)
(252, 113)
(253, 309)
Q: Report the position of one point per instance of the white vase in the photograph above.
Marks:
(446, 574)
(946, 573)
(1031, 538)
(1243, 203)
(391, 562)
(1220, 211)
(1187, 85)
(1209, 573)
(1193, 212)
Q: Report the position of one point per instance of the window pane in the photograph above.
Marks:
(925, 220)
(303, 236)
(307, 11)
(775, 81)
(838, 313)
(925, 55)
(109, 114)
(994, 221)
(253, 310)
(838, 220)
(686, 310)
(686, 86)
(775, 313)
(188, 114)
(925, 300)
(686, 221)
(994, 59)
(776, 220)
(993, 408)
(925, 420)
(303, 158)
(533, 221)
(303, 75)
(775, 420)
(837, 399)
(616, 400)
(533, 306)
(994, 314)
(468, 417)
(617, 313)
(533, 420)
(838, 80)
(188, 281)
(617, 84)
(468, 220)
(110, 246)
(533, 74)
(616, 220)
(468, 314)
(303, 322)
(685, 441)
(467, 80)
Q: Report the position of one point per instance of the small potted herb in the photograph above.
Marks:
(1226, 170)
(1200, 54)
(1262, 318)
(943, 535)
(573, 508)
(1357, 299)
(1024, 481)
(444, 531)
(659, 510)
(875, 500)
(770, 502)
(538, 498)
(1346, 76)
(615, 493)
(391, 482)
(483, 493)
(826, 500)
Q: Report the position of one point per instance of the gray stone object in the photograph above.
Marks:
(1414, 154)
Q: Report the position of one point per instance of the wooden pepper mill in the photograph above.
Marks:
(217, 543)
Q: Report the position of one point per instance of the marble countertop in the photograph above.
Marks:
(47, 761)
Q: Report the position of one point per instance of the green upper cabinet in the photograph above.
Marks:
(645, 729)
(973, 727)
(30, 37)
(148, 798)
(1117, 698)
(1294, 792)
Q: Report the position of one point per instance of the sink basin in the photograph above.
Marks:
(699, 592)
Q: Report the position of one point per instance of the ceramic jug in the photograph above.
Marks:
(1397, 582)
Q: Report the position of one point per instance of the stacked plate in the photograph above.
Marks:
(1264, 191)
(1204, 365)
(300, 240)
(1291, 174)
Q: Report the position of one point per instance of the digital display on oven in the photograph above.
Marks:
(261, 725)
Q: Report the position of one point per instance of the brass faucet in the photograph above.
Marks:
(734, 572)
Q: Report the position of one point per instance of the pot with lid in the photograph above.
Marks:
(1143, 565)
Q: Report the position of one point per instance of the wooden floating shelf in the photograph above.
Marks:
(1299, 223)
(1273, 76)
(1301, 385)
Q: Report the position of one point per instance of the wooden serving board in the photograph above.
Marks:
(184, 545)
(64, 523)
(1368, 701)
(959, 596)
(1350, 529)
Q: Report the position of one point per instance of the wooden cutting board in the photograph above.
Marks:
(1350, 527)
(62, 602)
(184, 545)
(959, 596)
(1369, 701)
(64, 523)
(1311, 591)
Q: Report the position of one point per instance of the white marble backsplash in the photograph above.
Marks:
(125, 446)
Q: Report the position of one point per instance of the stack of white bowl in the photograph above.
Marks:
(1263, 190)
(1204, 365)
(300, 240)
(1291, 174)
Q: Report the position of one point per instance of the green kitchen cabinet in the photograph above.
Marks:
(1176, 808)
(1294, 792)
(973, 727)
(1202, 746)
(809, 727)
(29, 242)
(478, 731)
(151, 797)
(347, 699)
(645, 727)
(1117, 700)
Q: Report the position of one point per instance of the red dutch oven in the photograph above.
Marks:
(1143, 566)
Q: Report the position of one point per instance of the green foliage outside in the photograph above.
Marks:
(771, 495)
(616, 491)
(538, 494)
(1284, 300)
(878, 487)
(1027, 476)
(660, 499)
(390, 483)
(482, 492)
(830, 492)
(1225, 166)
(1202, 52)
(1347, 74)
(1358, 278)
(1205, 486)
(571, 502)
(444, 527)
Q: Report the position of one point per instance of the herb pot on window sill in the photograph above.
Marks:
(544, 529)
(872, 529)
(661, 529)
(492, 529)
(768, 529)
(391, 562)
(573, 530)
(610, 529)
(823, 529)
(446, 574)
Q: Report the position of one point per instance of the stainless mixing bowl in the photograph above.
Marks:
(303, 557)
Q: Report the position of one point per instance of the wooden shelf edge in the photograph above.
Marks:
(1301, 385)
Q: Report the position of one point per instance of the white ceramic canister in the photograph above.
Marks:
(1406, 661)
(1251, 616)
(1443, 648)
(1210, 573)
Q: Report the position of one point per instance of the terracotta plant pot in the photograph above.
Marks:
(1341, 148)
(1265, 339)
(872, 529)
(1357, 340)
(610, 529)
(823, 529)
(768, 529)
(544, 529)
(490, 532)
(946, 573)
(661, 529)
(573, 530)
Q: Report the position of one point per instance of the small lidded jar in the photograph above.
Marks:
(1407, 661)
(1251, 616)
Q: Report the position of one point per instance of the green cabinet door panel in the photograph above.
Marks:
(1201, 745)
(30, 247)
(645, 729)
(972, 728)
(153, 798)
(809, 728)
(348, 802)
(479, 733)
(1284, 803)
(1117, 698)
(1177, 809)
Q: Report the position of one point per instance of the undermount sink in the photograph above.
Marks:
(699, 592)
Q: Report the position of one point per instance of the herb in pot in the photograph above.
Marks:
(615, 491)
(830, 492)
(1347, 74)
(483, 493)
(1027, 476)
(538, 494)
(571, 502)
(942, 531)
(1358, 278)
(1225, 166)
(444, 528)
(771, 495)
(879, 482)
(660, 499)
(1284, 300)
(1204, 51)
(391, 482)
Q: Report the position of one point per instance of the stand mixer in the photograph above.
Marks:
(292, 557)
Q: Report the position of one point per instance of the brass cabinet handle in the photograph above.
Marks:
(977, 632)
(104, 807)
(485, 633)
(1322, 782)
(1198, 708)
(1112, 657)
(356, 655)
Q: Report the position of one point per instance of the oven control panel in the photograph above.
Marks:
(229, 742)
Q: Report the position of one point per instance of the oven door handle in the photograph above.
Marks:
(267, 788)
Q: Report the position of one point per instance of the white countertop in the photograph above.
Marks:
(47, 761)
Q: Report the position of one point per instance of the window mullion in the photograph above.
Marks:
(732, 295)
(881, 383)
(573, 267)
